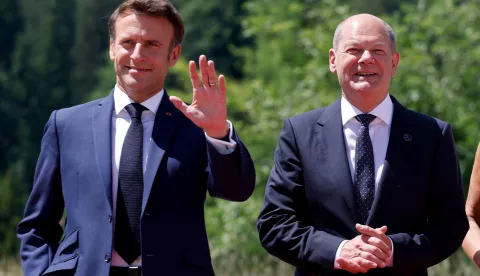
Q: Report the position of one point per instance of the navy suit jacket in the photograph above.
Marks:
(309, 199)
(74, 173)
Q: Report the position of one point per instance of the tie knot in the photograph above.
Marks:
(135, 110)
(365, 119)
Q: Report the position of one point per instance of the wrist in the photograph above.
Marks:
(219, 132)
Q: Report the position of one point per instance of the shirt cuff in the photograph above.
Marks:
(223, 147)
(389, 262)
(339, 249)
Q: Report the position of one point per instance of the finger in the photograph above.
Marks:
(212, 75)
(222, 85)
(179, 104)
(377, 256)
(382, 229)
(202, 60)
(355, 266)
(367, 230)
(378, 243)
(192, 68)
(378, 233)
(361, 262)
(377, 251)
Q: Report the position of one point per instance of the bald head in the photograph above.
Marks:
(369, 21)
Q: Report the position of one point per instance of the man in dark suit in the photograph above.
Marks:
(364, 185)
(131, 170)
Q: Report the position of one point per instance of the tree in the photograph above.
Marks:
(214, 28)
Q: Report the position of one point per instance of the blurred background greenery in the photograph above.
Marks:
(53, 54)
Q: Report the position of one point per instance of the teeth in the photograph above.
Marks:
(365, 74)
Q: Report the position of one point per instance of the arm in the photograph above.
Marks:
(40, 231)
(471, 244)
(447, 223)
(285, 222)
(231, 176)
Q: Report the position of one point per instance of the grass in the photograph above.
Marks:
(10, 267)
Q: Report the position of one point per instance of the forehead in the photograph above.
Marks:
(364, 32)
(132, 24)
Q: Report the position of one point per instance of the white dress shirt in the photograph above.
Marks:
(120, 123)
(379, 130)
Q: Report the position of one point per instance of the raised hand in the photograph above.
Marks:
(209, 105)
(369, 250)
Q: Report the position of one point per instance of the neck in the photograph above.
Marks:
(364, 104)
(139, 96)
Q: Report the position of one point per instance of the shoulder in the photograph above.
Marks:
(421, 121)
(307, 117)
(78, 109)
(320, 115)
(78, 115)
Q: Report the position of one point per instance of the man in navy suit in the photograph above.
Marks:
(132, 170)
(364, 185)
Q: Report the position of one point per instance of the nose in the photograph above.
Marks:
(367, 58)
(137, 53)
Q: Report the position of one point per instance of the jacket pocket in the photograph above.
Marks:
(67, 264)
(66, 257)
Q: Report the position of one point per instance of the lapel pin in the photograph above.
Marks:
(407, 137)
(169, 113)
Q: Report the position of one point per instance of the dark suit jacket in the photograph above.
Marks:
(74, 172)
(309, 205)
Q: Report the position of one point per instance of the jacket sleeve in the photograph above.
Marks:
(39, 230)
(447, 222)
(285, 223)
(230, 176)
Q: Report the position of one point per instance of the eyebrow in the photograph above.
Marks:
(355, 43)
(144, 41)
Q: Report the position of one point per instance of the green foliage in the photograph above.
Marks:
(12, 199)
(213, 28)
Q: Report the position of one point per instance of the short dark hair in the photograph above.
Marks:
(155, 8)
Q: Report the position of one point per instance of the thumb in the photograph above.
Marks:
(179, 104)
(383, 229)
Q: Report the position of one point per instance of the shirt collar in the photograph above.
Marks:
(384, 110)
(121, 100)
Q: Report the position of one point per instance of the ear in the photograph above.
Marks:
(331, 61)
(395, 62)
(174, 55)
(111, 51)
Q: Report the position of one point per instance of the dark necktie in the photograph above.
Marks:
(130, 188)
(364, 179)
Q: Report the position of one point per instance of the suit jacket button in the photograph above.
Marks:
(107, 258)
(110, 218)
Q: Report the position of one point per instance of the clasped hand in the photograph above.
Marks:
(371, 249)
(209, 106)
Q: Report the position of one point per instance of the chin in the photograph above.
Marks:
(364, 88)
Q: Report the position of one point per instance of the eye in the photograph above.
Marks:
(127, 42)
(379, 51)
(353, 51)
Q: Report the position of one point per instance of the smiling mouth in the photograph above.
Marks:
(138, 69)
(365, 74)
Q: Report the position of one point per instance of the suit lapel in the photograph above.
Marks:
(102, 142)
(163, 130)
(398, 152)
(330, 134)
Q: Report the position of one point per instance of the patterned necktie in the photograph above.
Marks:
(130, 188)
(364, 179)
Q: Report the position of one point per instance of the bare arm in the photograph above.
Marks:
(471, 244)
